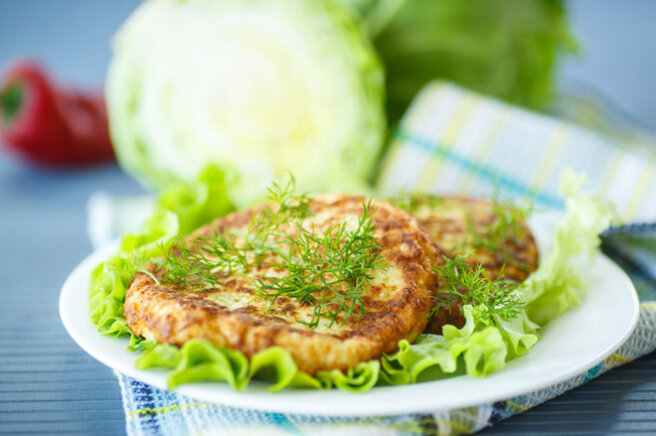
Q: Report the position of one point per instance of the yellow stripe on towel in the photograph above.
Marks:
(453, 129)
(611, 171)
(487, 145)
(134, 414)
(549, 158)
(613, 357)
(639, 192)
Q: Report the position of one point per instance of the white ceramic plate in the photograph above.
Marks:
(570, 345)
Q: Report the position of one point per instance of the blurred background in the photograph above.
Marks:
(43, 218)
(615, 60)
(72, 38)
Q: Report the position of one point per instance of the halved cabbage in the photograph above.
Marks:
(258, 87)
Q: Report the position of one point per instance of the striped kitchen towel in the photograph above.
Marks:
(455, 141)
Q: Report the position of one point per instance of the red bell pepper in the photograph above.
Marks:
(50, 126)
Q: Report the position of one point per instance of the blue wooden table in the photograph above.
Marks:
(48, 385)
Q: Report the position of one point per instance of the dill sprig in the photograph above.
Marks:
(495, 237)
(411, 201)
(329, 271)
(206, 260)
(203, 262)
(288, 207)
(470, 285)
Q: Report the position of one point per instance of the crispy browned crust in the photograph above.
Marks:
(397, 305)
(446, 219)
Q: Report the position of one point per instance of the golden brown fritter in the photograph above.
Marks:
(486, 233)
(397, 303)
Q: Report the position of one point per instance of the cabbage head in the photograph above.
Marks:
(259, 88)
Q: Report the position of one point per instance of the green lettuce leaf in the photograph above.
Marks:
(180, 209)
(482, 348)
(555, 286)
(199, 360)
(359, 379)
(277, 366)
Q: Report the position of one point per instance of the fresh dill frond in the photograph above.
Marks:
(470, 285)
(151, 275)
(495, 237)
(127, 264)
(208, 258)
(290, 206)
(507, 226)
(202, 263)
(329, 271)
(264, 230)
(411, 201)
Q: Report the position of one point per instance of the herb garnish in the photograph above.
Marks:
(411, 201)
(495, 237)
(470, 285)
(329, 269)
(208, 258)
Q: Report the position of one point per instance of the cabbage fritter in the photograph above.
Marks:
(396, 302)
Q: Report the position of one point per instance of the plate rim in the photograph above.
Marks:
(254, 397)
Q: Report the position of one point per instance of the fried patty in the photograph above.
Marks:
(488, 234)
(396, 303)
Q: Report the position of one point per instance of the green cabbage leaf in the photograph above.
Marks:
(505, 48)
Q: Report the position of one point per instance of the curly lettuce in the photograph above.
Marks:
(179, 209)
(200, 360)
(483, 345)
(555, 286)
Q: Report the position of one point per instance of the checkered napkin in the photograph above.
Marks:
(455, 141)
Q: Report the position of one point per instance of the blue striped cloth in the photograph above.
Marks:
(455, 141)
